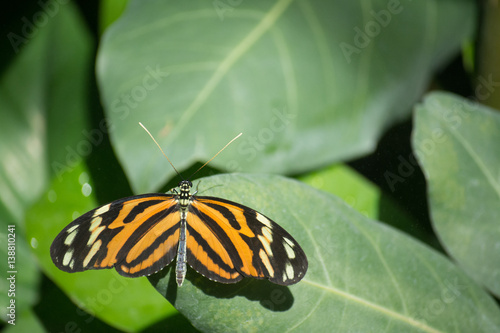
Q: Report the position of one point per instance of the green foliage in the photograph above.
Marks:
(311, 85)
(363, 276)
(456, 141)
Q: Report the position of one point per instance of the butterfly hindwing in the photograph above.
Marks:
(137, 235)
(227, 241)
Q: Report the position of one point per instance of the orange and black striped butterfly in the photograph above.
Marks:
(220, 239)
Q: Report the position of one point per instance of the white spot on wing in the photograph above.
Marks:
(92, 252)
(265, 260)
(72, 228)
(264, 220)
(69, 239)
(102, 210)
(289, 251)
(289, 272)
(268, 234)
(94, 235)
(266, 245)
(289, 242)
(67, 258)
(95, 223)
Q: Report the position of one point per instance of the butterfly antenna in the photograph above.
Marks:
(220, 151)
(151, 135)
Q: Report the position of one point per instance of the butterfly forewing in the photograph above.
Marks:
(136, 235)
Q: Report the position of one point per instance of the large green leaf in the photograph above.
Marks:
(307, 82)
(22, 174)
(23, 167)
(128, 304)
(456, 142)
(41, 99)
(363, 276)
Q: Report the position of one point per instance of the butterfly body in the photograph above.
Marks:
(184, 202)
(139, 235)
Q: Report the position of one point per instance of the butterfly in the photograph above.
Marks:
(220, 239)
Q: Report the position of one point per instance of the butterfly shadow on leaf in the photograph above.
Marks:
(271, 296)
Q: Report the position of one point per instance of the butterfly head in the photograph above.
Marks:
(185, 188)
(185, 185)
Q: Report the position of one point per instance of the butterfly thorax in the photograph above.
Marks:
(185, 194)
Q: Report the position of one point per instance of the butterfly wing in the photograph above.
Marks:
(227, 241)
(137, 235)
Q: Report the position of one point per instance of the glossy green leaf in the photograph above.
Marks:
(23, 167)
(348, 185)
(128, 304)
(308, 83)
(38, 92)
(363, 276)
(365, 197)
(22, 177)
(456, 141)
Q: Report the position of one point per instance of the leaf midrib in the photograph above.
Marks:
(390, 313)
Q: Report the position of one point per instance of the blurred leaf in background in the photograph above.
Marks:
(456, 141)
(306, 84)
(35, 99)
